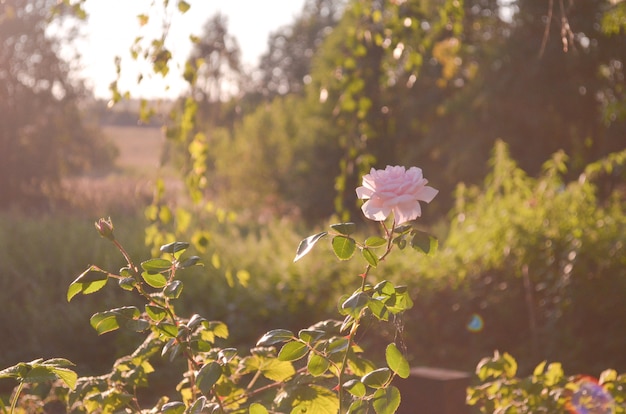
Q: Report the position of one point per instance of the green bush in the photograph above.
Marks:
(539, 260)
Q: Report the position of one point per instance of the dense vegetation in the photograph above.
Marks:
(535, 244)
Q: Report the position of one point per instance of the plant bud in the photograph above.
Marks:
(105, 228)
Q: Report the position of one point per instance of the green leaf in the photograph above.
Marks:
(275, 336)
(256, 408)
(208, 376)
(370, 256)
(317, 364)
(310, 335)
(355, 303)
(355, 387)
(375, 241)
(156, 313)
(168, 329)
(377, 378)
(379, 310)
(127, 316)
(359, 407)
(156, 280)
(183, 6)
(173, 407)
(191, 261)
(314, 399)
(396, 361)
(553, 374)
(68, 376)
(307, 244)
(91, 280)
(344, 228)
(424, 242)
(292, 351)
(173, 289)
(276, 370)
(127, 283)
(386, 400)
(344, 247)
(156, 265)
(174, 247)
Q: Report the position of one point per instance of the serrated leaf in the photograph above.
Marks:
(375, 241)
(344, 247)
(91, 280)
(127, 283)
(275, 336)
(292, 351)
(276, 370)
(424, 242)
(156, 265)
(355, 303)
(317, 364)
(168, 329)
(378, 309)
(173, 289)
(377, 378)
(396, 361)
(370, 257)
(344, 228)
(355, 387)
(314, 399)
(386, 400)
(208, 376)
(68, 376)
(156, 313)
(155, 280)
(310, 335)
(307, 244)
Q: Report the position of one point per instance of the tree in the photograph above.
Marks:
(42, 135)
(286, 66)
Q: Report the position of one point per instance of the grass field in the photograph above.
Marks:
(140, 148)
(129, 186)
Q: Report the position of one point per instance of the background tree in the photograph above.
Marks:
(42, 134)
(286, 66)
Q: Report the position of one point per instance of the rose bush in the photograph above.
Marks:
(394, 190)
(320, 369)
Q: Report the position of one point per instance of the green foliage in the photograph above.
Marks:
(537, 259)
(283, 372)
(546, 390)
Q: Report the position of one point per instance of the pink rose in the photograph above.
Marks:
(397, 190)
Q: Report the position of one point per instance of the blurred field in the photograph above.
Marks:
(129, 186)
(140, 148)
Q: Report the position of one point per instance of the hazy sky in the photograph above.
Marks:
(113, 25)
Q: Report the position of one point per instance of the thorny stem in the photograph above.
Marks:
(355, 326)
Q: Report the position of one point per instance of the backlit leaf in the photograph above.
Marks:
(377, 378)
(307, 244)
(292, 351)
(396, 361)
(274, 336)
(386, 400)
(344, 247)
(344, 228)
(208, 376)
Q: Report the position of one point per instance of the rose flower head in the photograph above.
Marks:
(394, 190)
